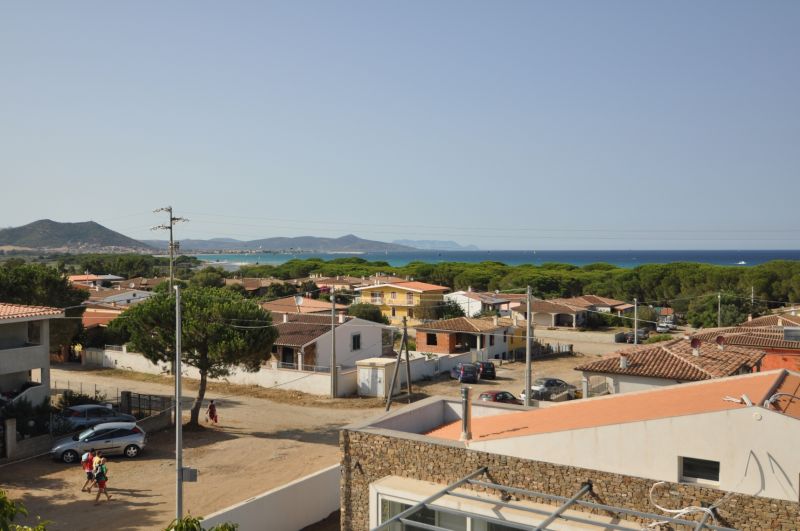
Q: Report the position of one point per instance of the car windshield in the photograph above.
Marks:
(540, 381)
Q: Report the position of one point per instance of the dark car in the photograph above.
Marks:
(486, 370)
(499, 396)
(88, 415)
(465, 372)
(643, 334)
(549, 388)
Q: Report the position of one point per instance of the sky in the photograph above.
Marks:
(508, 125)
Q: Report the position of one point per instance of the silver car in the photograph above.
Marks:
(86, 415)
(111, 438)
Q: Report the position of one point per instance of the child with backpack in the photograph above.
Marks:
(87, 461)
(101, 477)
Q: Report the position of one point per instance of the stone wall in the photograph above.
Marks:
(368, 457)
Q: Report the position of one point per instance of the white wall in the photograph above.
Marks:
(291, 507)
(471, 307)
(24, 359)
(308, 382)
(753, 445)
(371, 343)
(13, 334)
(623, 383)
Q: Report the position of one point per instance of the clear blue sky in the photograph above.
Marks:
(509, 125)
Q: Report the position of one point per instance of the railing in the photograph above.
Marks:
(101, 392)
(143, 406)
(20, 345)
(118, 348)
(284, 365)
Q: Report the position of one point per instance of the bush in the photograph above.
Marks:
(31, 420)
(71, 398)
(658, 338)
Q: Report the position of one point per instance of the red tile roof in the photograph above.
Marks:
(663, 402)
(462, 324)
(773, 320)
(19, 311)
(588, 301)
(675, 360)
(300, 329)
(410, 285)
(288, 305)
(768, 337)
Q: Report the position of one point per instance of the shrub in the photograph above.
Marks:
(658, 338)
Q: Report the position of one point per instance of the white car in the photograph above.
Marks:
(663, 329)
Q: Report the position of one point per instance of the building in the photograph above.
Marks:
(255, 287)
(402, 299)
(487, 338)
(305, 342)
(474, 303)
(671, 362)
(118, 296)
(25, 352)
(593, 303)
(551, 314)
(299, 304)
(141, 283)
(777, 335)
(93, 280)
(606, 463)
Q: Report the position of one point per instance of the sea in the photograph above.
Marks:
(626, 259)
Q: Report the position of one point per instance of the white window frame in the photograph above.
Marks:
(699, 481)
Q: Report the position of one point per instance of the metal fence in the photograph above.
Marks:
(143, 406)
(100, 392)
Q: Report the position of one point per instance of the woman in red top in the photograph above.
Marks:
(211, 412)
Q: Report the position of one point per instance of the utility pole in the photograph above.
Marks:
(635, 321)
(403, 345)
(172, 246)
(719, 309)
(528, 346)
(752, 298)
(178, 413)
(408, 359)
(333, 346)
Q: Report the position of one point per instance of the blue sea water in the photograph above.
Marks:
(578, 258)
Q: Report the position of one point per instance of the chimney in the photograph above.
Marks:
(623, 361)
(341, 318)
(466, 414)
(514, 318)
(286, 318)
(695, 351)
(469, 289)
(780, 321)
(750, 317)
(495, 320)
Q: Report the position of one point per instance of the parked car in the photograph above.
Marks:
(87, 415)
(486, 370)
(663, 328)
(643, 334)
(125, 438)
(499, 396)
(549, 388)
(465, 372)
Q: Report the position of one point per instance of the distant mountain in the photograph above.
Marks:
(436, 245)
(86, 236)
(348, 243)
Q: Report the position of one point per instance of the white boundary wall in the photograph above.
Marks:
(280, 509)
(315, 383)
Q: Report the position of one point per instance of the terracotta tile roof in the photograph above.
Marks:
(773, 320)
(788, 405)
(750, 336)
(288, 305)
(664, 402)
(410, 285)
(674, 360)
(20, 311)
(142, 283)
(462, 324)
(588, 301)
(99, 316)
(666, 311)
(549, 306)
(300, 329)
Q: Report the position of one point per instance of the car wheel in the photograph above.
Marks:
(70, 456)
(132, 450)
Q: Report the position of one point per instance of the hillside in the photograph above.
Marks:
(52, 235)
(348, 243)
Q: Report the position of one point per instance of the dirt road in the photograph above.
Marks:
(259, 444)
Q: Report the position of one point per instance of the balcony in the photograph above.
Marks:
(23, 358)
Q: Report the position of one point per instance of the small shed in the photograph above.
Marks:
(375, 376)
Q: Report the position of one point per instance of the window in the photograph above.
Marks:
(699, 470)
(394, 295)
(491, 340)
(411, 313)
(505, 336)
(394, 311)
(430, 339)
(390, 508)
(409, 298)
(355, 342)
(376, 297)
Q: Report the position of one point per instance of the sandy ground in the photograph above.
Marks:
(260, 444)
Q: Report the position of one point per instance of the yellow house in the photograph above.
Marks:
(400, 299)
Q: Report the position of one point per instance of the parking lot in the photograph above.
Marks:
(259, 444)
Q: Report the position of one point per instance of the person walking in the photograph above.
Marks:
(101, 476)
(87, 461)
(211, 412)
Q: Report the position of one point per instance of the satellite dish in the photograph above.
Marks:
(696, 343)
(298, 300)
(720, 340)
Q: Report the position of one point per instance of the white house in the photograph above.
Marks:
(671, 362)
(25, 351)
(474, 303)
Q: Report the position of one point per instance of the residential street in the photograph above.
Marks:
(259, 444)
